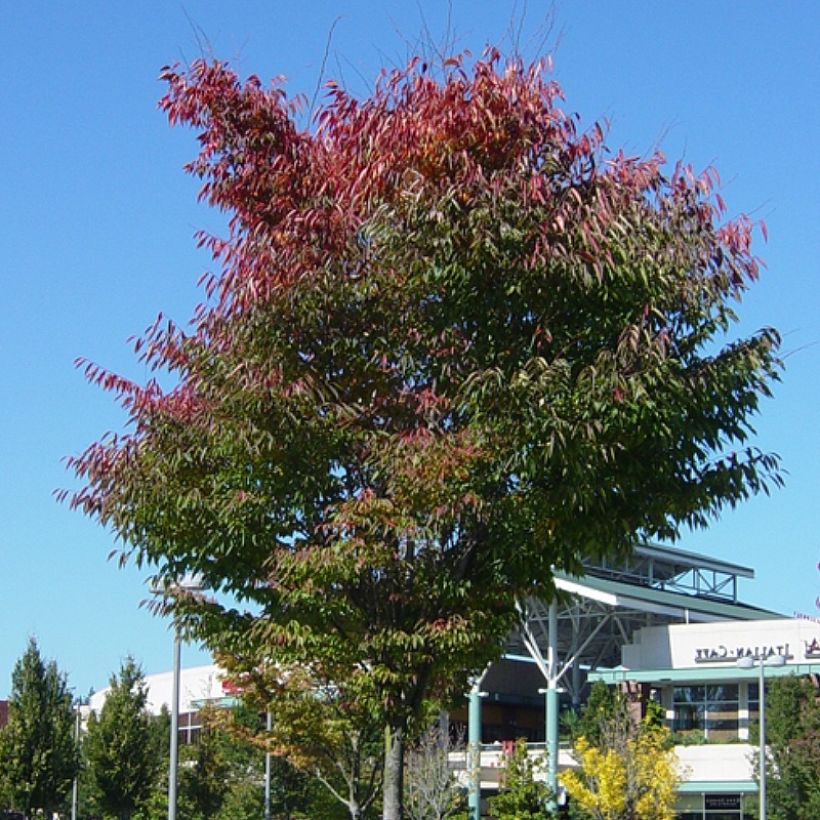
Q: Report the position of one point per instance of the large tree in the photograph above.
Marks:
(452, 344)
(121, 746)
(38, 749)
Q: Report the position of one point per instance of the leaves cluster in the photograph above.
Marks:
(521, 796)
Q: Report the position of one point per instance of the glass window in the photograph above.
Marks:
(708, 711)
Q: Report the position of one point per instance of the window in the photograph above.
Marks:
(707, 711)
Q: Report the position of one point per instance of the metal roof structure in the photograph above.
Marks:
(599, 612)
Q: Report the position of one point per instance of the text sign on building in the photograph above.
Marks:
(721, 802)
(730, 654)
(813, 648)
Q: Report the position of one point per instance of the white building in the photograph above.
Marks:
(198, 685)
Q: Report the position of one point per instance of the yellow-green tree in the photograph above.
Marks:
(630, 773)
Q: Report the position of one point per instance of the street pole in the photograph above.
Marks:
(75, 786)
(474, 753)
(762, 662)
(172, 765)
(762, 689)
(269, 726)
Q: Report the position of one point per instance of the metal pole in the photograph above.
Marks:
(474, 754)
(762, 686)
(268, 725)
(75, 787)
(172, 764)
(552, 699)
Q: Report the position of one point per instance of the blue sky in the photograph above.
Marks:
(97, 223)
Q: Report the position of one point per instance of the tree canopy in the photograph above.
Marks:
(452, 343)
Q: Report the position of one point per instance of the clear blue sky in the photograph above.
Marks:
(97, 221)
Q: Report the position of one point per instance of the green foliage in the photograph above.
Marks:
(521, 796)
(38, 752)
(318, 728)
(122, 747)
(222, 775)
(793, 741)
(204, 769)
(603, 706)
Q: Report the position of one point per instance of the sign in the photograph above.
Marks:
(721, 802)
(813, 648)
(731, 654)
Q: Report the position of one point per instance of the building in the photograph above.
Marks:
(667, 625)
(198, 686)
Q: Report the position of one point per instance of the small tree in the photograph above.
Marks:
(432, 791)
(521, 796)
(627, 767)
(793, 742)
(319, 728)
(204, 771)
(38, 751)
(121, 747)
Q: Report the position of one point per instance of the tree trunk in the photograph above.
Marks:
(393, 774)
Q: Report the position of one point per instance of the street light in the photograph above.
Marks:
(188, 583)
(762, 662)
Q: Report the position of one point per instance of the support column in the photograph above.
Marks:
(552, 699)
(474, 753)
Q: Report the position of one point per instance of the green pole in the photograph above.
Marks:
(474, 754)
(552, 699)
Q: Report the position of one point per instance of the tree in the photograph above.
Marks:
(222, 774)
(204, 772)
(38, 750)
(433, 793)
(520, 796)
(793, 742)
(452, 345)
(627, 767)
(121, 748)
(318, 728)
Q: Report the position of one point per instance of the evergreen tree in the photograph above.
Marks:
(121, 748)
(38, 751)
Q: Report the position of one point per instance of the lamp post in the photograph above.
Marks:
(762, 662)
(188, 583)
(268, 726)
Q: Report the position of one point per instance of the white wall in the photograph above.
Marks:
(196, 683)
